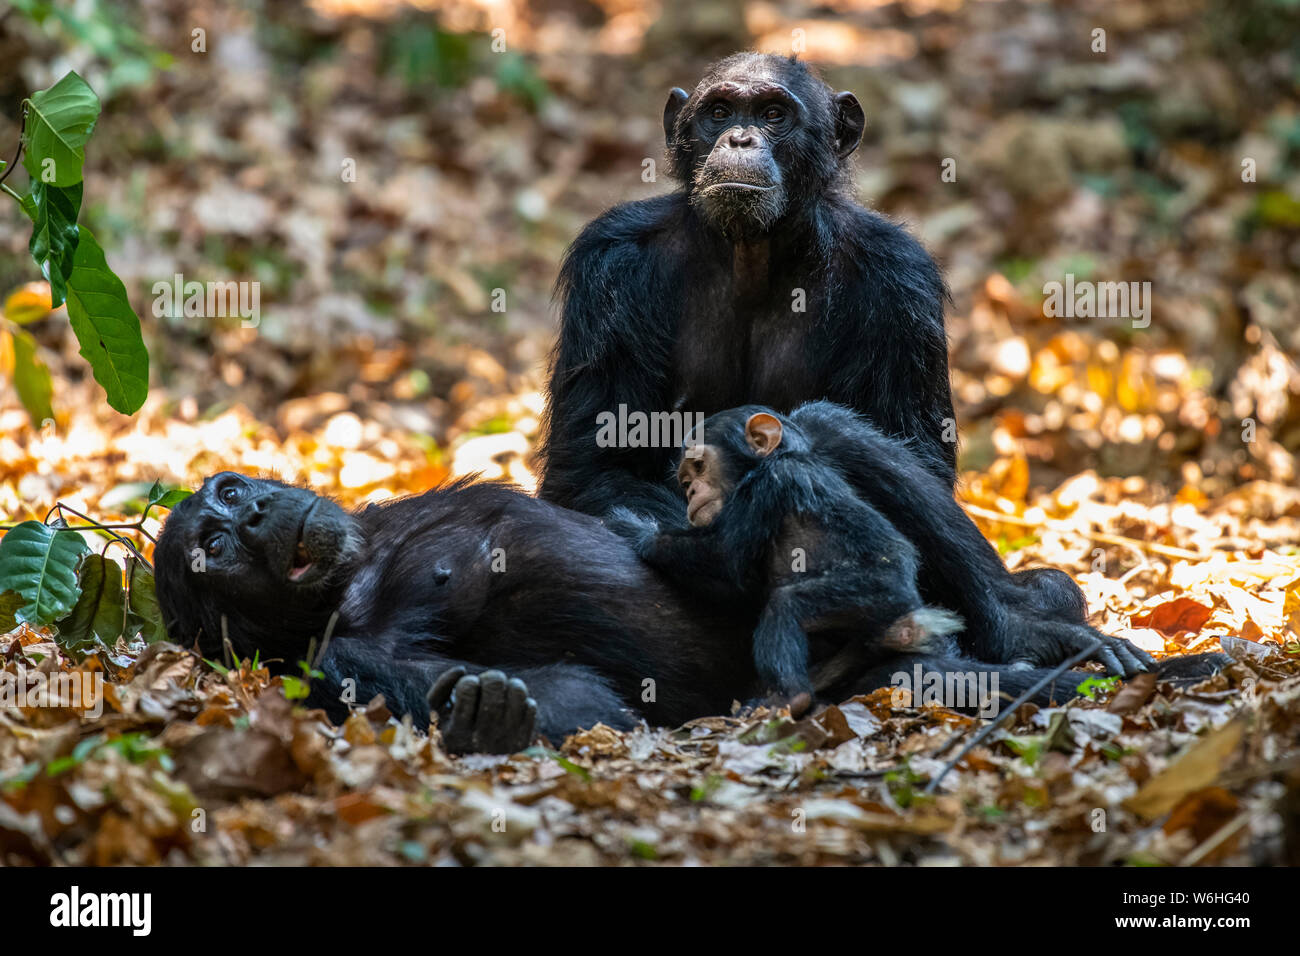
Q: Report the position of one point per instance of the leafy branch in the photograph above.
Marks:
(55, 125)
(49, 577)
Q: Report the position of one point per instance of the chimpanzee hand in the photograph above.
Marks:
(482, 713)
(1055, 641)
(636, 528)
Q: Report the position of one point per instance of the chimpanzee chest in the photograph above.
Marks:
(762, 353)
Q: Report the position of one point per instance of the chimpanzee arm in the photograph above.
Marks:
(960, 569)
(723, 558)
(614, 349)
(892, 298)
(479, 710)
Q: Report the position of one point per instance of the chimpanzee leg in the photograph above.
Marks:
(960, 569)
(963, 684)
(781, 647)
(1054, 593)
(858, 603)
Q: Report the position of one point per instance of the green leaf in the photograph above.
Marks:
(142, 602)
(10, 602)
(59, 121)
(160, 496)
(107, 328)
(295, 689)
(32, 379)
(100, 612)
(1093, 684)
(40, 563)
(54, 234)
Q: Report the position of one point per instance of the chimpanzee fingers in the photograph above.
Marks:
(520, 719)
(488, 713)
(458, 729)
(441, 690)
(526, 729)
(490, 722)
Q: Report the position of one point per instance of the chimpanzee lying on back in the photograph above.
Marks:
(472, 576)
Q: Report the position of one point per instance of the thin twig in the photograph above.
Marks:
(1011, 709)
(95, 525)
(324, 644)
(22, 127)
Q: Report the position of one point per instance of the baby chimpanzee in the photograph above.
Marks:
(777, 527)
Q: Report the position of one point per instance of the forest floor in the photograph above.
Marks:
(379, 368)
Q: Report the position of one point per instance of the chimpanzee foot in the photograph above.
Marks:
(483, 713)
(1058, 641)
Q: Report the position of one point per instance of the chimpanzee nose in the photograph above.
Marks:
(741, 138)
(255, 510)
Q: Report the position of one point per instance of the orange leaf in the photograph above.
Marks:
(1174, 617)
(28, 303)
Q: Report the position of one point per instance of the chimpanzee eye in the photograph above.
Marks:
(774, 114)
(213, 545)
(720, 111)
(229, 494)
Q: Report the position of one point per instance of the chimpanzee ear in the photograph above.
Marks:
(676, 100)
(763, 433)
(850, 121)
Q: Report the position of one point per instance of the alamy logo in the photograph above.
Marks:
(102, 909)
(642, 430)
(1098, 300)
(210, 300)
(80, 690)
(955, 689)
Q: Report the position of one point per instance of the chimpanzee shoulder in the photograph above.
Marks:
(874, 250)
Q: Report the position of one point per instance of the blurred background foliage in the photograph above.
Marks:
(476, 166)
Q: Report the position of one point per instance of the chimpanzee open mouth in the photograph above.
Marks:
(301, 560)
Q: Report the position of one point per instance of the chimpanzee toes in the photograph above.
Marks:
(1120, 657)
(488, 713)
(1133, 658)
(1112, 662)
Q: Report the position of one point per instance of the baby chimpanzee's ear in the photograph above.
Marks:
(763, 433)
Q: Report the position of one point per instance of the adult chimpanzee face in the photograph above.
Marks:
(248, 550)
(759, 138)
(738, 129)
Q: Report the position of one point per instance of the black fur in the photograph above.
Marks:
(795, 540)
(565, 634)
(664, 309)
(574, 613)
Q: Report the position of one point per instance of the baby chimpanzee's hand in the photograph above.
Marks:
(638, 529)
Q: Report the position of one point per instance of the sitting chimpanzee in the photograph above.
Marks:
(775, 525)
(760, 280)
(423, 599)
(800, 514)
